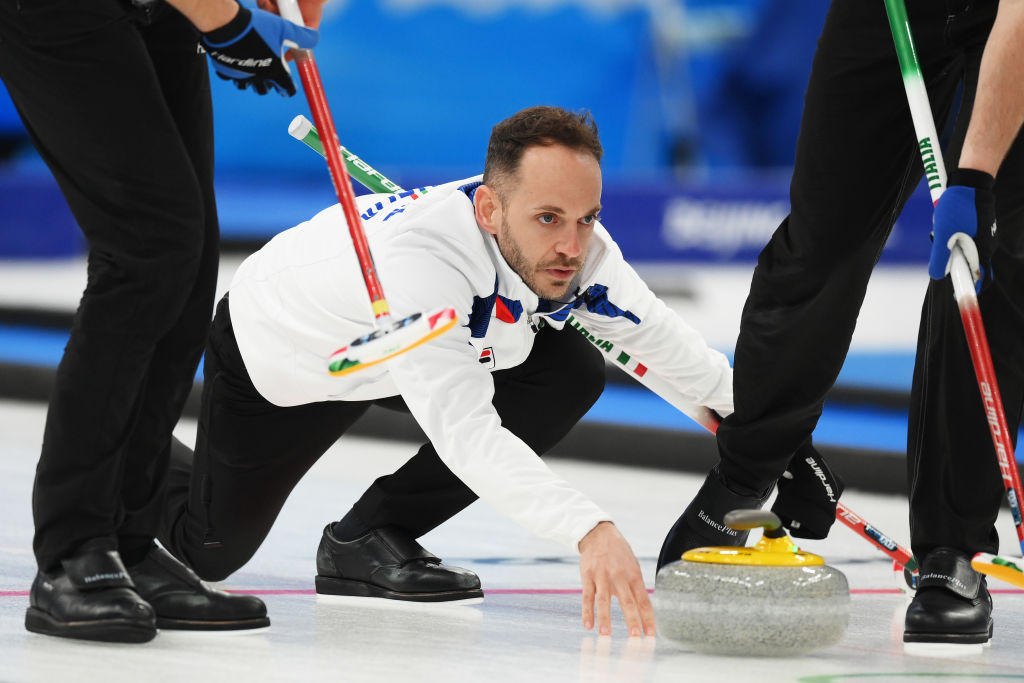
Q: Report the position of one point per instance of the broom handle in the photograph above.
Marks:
(317, 99)
(303, 130)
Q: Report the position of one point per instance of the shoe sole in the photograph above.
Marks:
(369, 601)
(950, 638)
(244, 625)
(326, 585)
(105, 630)
(943, 650)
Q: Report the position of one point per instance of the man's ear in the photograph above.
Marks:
(488, 208)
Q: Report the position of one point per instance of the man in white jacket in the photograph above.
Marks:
(520, 255)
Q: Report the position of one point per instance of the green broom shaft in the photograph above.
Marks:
(902, 37)
(372, 179)
(917, 97)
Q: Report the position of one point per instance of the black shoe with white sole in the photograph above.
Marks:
(703, 521)
(182, 601)
(388, 563)
(91, 597)
(952, 604)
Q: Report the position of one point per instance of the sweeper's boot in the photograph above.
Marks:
(90, 597)
(184, 602)
(388, 563)
(703, 521)
(952, 605)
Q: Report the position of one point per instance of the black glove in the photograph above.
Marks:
(967, 206)
(808, 494)
(249, 50)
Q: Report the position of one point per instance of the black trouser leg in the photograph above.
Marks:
(249, 456)
(856, 164)
(538, 401)
(250, 453)
(185, 83)
(91, 97)
(955, 484)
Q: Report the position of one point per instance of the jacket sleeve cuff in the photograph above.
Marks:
(585, 527)
(229, 31)
(969, 177)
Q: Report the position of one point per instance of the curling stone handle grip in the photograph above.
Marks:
(742, 520)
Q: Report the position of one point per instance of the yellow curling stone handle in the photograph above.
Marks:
(775, 549)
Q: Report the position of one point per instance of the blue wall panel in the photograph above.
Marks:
(415, 90)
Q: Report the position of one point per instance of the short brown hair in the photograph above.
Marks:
(531, 127)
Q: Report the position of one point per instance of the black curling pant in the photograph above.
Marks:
(955, 484)
(117, 103)
(856, 164)
(250, 454)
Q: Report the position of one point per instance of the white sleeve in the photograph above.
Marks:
(680, 366)
(450, 394)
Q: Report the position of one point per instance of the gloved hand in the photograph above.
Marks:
(808, 494)
(967, 206)
(249, 50)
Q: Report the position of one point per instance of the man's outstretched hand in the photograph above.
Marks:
(609, 568)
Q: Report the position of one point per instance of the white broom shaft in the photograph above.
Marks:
(289, 10)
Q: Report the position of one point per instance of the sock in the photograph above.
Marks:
(350, 527)
(132, 555)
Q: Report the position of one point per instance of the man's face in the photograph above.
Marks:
(545, 224)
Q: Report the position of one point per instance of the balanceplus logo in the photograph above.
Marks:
(716, 525)
(104, 577)
(944, 579)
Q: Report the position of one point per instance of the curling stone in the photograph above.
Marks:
(768, 600)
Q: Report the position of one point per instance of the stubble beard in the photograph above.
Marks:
(529, 272)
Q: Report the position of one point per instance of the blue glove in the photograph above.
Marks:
(249, 50)
(969, 206)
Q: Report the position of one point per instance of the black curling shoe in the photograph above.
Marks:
(183, 601)
(91, 598)
(388, 563)
(952, 604)
(702, 522)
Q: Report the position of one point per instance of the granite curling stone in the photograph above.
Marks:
(768, 600)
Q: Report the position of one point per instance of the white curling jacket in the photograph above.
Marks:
(301, 297)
